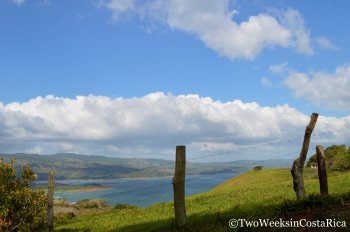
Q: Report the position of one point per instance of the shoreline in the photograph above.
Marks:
(84, 189)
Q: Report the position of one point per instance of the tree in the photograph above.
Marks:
(258, 168)
(21, 208)
(337, 158)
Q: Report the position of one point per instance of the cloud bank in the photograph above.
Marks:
(213, 23)
(330, 90)
(151, 126)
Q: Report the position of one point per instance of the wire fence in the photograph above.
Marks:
(199, 176)
(242, 149)
(234, 151)
(192, 178)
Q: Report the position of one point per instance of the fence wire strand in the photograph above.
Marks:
(195, 177)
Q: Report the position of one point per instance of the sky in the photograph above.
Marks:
(135, 78)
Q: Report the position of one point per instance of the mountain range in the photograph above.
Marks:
(77, 166)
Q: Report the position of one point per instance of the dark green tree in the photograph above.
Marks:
(337, 158)
(258, 168)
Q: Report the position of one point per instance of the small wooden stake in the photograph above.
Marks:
(322, 171)
(50, 192)
(179, 188)
(298, 164)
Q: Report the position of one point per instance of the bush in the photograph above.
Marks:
(258, 168)
(124, 206)
(337, 158)
(62, 218)
(21, 208)
(61, 202)
(92, 203)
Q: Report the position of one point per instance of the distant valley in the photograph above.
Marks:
(77, 166)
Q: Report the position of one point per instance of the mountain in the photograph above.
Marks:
(77, 166)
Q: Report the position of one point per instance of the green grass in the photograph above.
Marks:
(255, 194)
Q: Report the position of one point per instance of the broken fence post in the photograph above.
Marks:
(298, 164)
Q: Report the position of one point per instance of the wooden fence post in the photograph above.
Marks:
(50, 192)
(322, 171)
(179, 188)
(298, 164)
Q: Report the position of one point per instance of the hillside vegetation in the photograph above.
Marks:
(337, 158)
(255, 194)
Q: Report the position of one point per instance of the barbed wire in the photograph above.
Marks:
(241, 149)
(260, 145)
(189, 179)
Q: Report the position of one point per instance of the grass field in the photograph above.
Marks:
(255, 194)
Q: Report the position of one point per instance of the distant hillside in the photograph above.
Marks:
(76, 166)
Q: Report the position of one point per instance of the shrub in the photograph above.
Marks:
(61, 202)
(124, 206)
(62, 218)
(337, 158)
(92, 203)
(258, 168)
(21, 208)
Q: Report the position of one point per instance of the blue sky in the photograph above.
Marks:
(271, 53)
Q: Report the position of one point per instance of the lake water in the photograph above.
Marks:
(142, 192)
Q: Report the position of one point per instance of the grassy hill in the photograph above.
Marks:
(255, 194)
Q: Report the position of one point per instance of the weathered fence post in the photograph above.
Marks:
(322, 171)
(50, 191)
(179, 188)
(298, 164)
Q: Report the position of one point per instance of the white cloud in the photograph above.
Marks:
(44, 3)
(213, 23)
(151, 126)
(19, 2)
(278, 68)
(300, 35)
(265, 82)
(118, 7)
(213, 147)
(325, 43)
(325, 89)
(39, 2)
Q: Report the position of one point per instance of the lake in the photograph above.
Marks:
(142, 192)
